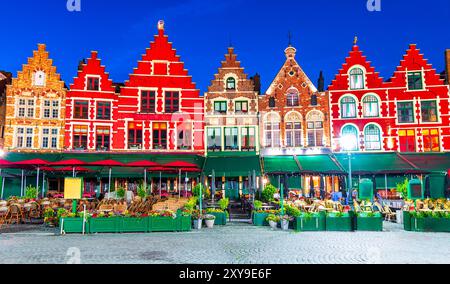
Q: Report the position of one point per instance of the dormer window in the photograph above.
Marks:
(93, 83)
(415, 81)
(39, 79)
(357, 79)
(231, 83)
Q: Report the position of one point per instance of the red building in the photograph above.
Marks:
(91, 108)
(159, 108)
(408, 113)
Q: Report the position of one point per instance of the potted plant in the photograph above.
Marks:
(273, 221)
(209, 220)
(268, 193)
(197, 219)
(285, 222)
(120, 193)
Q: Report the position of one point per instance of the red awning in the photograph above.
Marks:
(70, 169)
(180, 164)
(34, 162)
(160, 169)
(143, 164)
(107, 163)
(6, 164)
(190, 170)
(71, 162)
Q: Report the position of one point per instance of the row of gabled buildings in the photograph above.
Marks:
(159, 110)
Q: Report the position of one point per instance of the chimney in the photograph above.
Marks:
(321, 83)
(447, 65)
(257, 82)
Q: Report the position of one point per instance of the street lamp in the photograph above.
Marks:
(349, 144)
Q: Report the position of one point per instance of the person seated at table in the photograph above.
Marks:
(336, 196)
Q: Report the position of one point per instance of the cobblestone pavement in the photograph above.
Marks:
(232, 244)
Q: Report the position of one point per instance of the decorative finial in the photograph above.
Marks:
(290, 38)
(355, 41)
(161, 25)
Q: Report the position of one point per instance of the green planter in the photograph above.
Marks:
(221, 218)
(430, 224)
(407, 221)
(313, 224)
(339, 224)
(105, 225)
(74, 225)
(184, 223)
(134, 225)
(259, 219)
(369, 224)
(162, 224)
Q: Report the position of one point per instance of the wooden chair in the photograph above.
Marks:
(388, 214)
(34, 212)
(3, 218)
(14, 214)
(120, 208)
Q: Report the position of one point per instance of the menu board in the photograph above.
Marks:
(415, 190)
(73, 188)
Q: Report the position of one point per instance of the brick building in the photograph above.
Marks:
(5, 79)
(35, 107)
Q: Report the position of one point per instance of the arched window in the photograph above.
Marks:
(272, 131)
(357, 79)
(292, 98)
(348, 107)
(349, 138)
(39, 78)
(231, 83)
(372, 137)
(371, 106)
(314, 121)
(293, 130)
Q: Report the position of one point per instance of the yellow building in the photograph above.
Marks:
(35, 107)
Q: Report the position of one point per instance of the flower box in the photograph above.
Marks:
(74, 225)
(105, 225)
(310, 224)
(259, 219)
(221, 218)
(339, 224)
(366, 223)
(162, 224)
(430, 224)
(184, 223)
(134, 225)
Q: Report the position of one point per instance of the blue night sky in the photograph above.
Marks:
(323, 32)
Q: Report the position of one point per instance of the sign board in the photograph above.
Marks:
(73, 188)
(415, 190)
(365, 190)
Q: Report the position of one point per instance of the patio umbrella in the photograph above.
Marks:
(6, 164)
(71, 162)
(213, 185)
(110, 164)
(180, 164)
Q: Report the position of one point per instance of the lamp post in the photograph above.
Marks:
(349, 144)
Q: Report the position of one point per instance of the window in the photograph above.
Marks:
(231, 138)
(350, 133)
(241, 107)
(248, 139)
(148, 101)
(135, 136)
(214, 139)
(292, 98)
(93, 83)
(293, 134)
(231, 83)
(371, 106)
(159, 136)
(172, 102)
(103, 138)
(348, 107)
(272, 103)
(51, 109)
(80, 137)
(429, 111)
(431, 141)
(315, 130)
(49, 138)
(357, 79)
(415, 81)
(184, 141)
(272, 134)
(39, 79)
(372, 138)
(220, 107)
(24, 138)
(81, 110)
(405, 112)
(25, 108)
(104, 110)
(407, 139)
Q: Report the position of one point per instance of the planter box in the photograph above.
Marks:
(162, 224)
(430, 224)
(259, 219)
(74, 225)
(221, 218)
(134, 225)
(105, 225)
(313, 224)
(184, 223)
(369, 224)
(339, 224)
(407, 221)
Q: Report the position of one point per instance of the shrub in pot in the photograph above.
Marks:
(273, 221)
(209, 220)
(285, 222)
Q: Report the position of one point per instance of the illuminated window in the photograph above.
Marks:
(407, 140)
(431, 141)
(429, 111)
(315, 131)
(351, 132)
(348, 107)
(357, 79)
(103, 138)
(159, 136)
(80, 137)
(135, 135)
(293, 98)
(371, 106)
(372, 136)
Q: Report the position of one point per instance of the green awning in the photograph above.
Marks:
(379, 163)
(319, 164)
(436, 163)
(281, 165)
(233, 166)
